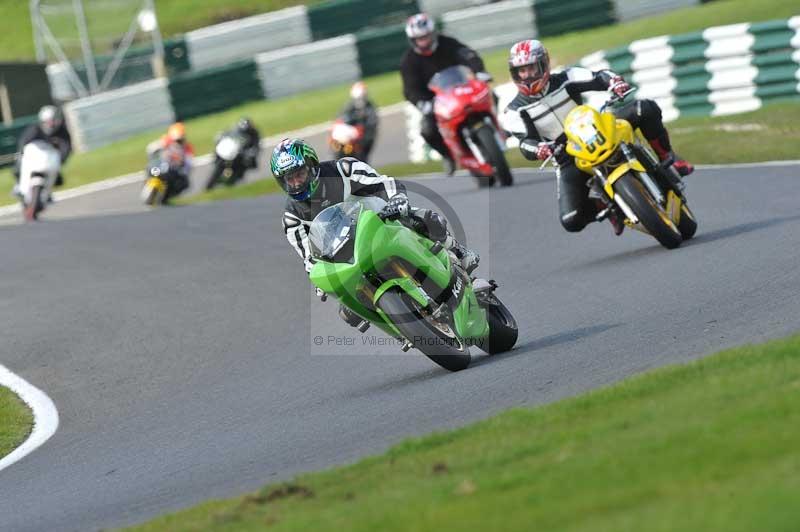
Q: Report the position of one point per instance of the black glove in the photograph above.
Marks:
(397, 207)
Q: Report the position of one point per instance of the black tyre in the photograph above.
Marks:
(483, 181)
(503, 330)
(237, 173)
(487, 142)
(651, 215)
(152, 197)
(33, 209)
(216, 173)
(450, 353)
(687, 224)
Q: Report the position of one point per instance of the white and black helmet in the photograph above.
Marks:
(421, 33)
(50, 119)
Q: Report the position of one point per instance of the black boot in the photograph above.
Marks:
(469, 258)
(448, 165)
(663, 148)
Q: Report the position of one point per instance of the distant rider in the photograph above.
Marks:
(429, 54)
(178, 151)
(312, 186)
(360, 111)
(537, 113)
(49, 128)
(252, 138)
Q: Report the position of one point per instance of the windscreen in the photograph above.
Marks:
(451, 77)
(335, 226)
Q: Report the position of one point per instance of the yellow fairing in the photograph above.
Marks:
(620, 171)
(592, 136)
(157, 184)
(674, 207)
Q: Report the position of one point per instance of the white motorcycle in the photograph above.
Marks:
(229, 163)
(39, 169)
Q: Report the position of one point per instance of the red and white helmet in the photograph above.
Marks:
(421, 33)
(529, 64)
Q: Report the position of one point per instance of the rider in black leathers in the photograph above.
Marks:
(361, 111)
(429, 54)
(247, 130)
(50, 128)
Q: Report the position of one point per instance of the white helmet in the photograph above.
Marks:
(421, 33)
(50, 119)
(358, 94)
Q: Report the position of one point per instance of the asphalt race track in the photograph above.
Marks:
(178, 344)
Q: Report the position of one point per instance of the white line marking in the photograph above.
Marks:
(733, 166)
(794, 162)
(45, 415)
(200, 160)
(269, 142)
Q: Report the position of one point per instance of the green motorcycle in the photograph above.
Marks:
(407, 285)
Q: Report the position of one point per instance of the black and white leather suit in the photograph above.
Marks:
(540, 118)
(339, 181)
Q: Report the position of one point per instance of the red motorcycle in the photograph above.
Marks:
(346, 140)
(465, 114)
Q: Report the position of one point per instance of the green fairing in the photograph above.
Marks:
(377, 243)
(470, 318)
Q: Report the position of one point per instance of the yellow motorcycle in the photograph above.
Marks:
(627, 176)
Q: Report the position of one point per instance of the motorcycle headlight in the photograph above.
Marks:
(442, 110)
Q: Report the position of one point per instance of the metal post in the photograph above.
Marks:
(86, 44)
(158, 43)
(5, 103)
(59, 53)
(41, 53)
(119, 56)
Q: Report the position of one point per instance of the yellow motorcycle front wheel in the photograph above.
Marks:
(687, 224)
(651, 215)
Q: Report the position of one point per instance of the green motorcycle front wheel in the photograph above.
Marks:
(418, 327)
(503, 329)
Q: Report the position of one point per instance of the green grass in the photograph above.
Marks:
(174, 17)
(16, 421)
(272, 117)
(568, 48)
(16, 42)
(711, 445)
(709, 140)
(318, 106)
(771, 133)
